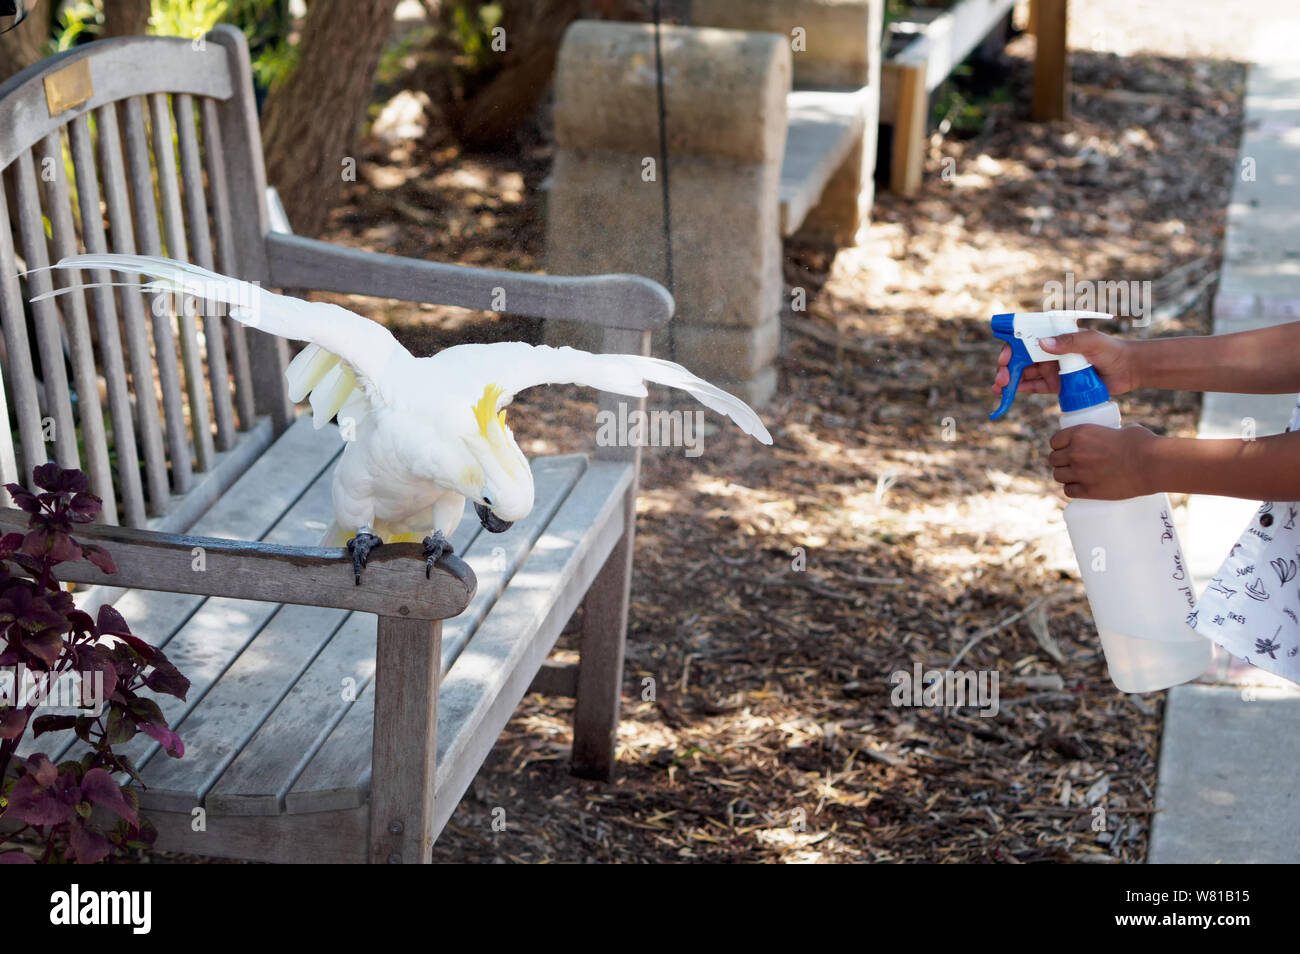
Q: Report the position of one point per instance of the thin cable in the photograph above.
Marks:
(663, 171)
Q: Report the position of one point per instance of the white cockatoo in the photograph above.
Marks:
(425, 433)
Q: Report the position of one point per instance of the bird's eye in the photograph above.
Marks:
(487, 500)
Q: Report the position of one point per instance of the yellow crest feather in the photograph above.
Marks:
(486, 408)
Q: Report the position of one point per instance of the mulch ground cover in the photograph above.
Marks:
(778, 590)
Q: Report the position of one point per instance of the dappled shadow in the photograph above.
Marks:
(926, 532)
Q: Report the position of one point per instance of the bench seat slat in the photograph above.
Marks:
(950, 37)
(495, 558)
(479, 695)
(255, 504)
(252, 687)
(184, 509)
(228, 715)
(260, 777)
(213, 638)
(555, 574)
(257, 780)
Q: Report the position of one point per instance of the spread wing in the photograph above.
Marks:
(515, 366)
(349, 359)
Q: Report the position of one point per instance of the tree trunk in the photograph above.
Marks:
(311, 120)
(24, 45)
(491, 113)
(126, 18)
(493, 104)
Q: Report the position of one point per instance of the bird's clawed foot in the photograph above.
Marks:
(360, 547)
(435, 548)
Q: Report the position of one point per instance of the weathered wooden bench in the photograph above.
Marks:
(327, 721)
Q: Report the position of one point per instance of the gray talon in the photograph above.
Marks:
(360, 547)
(435, 548)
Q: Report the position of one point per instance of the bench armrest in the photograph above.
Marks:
(611, 301)
(393, 584)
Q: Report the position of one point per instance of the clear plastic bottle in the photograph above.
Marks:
(1139, 586)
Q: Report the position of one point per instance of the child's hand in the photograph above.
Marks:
(1103, 463)
(1112, 358)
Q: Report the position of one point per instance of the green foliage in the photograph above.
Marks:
(274, 62)
(472, 24)
(187, 18)
(394, 62)
(76, 23)
(266, 23)
(964, 111)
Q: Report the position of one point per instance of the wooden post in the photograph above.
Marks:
(909, 127)
(1052, 61)
(604, 610)
(408, 664)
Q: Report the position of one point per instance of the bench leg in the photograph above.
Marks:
(604, 610)
(600, 664)
(408, 664)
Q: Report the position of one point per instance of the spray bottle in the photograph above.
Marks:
(1138, 585)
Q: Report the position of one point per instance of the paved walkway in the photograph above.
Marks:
(1229, 783)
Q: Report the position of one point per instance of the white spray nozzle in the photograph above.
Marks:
(1023, 331)
(1031, 326)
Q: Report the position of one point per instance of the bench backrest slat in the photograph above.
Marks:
(57, 404)
(225, 260)
(144, 207)
(196, 212)
(137, 145)
(18, 367)
(169, 194)
(135, 322)
(104, 307)
(76, 326)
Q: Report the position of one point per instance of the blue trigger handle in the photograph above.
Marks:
(1004, 327)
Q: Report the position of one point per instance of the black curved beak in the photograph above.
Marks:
(491, 522)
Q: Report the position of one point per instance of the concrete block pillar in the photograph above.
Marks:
(836, 43)
(725, 98)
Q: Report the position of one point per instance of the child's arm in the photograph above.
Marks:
(1264, 361)
(1104, 463)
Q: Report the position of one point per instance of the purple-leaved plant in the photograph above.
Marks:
(76, 808)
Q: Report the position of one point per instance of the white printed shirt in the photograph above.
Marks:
(1252, 606)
